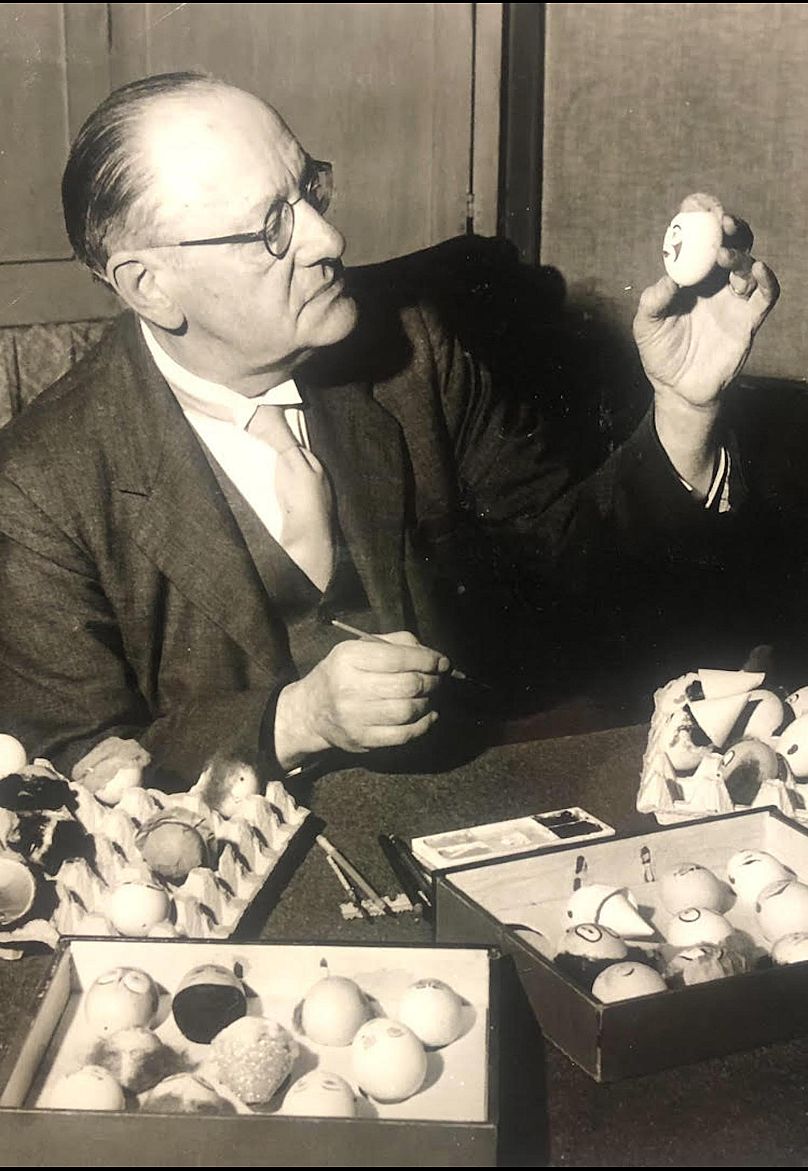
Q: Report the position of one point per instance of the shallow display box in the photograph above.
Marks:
(451, 1120)
(519, 905)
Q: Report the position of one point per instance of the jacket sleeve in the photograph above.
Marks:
(626, 549)
(65, 680)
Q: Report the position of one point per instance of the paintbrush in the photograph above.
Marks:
(363, 634)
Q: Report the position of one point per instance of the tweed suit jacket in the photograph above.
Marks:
(130, 605)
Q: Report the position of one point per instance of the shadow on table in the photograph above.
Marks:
(523, 1137)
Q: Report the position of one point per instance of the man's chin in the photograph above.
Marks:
(339, 320)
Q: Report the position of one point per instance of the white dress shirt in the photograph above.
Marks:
(220, 417)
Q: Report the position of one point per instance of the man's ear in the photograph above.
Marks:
(138, 284)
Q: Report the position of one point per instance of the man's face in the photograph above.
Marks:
(220, 158)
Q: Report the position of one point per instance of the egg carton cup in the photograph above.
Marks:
(674, 795)
(208, 904)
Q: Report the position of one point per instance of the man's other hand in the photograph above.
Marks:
(363, 695)
(694, 341)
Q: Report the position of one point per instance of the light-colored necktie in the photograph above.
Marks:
(304, 496)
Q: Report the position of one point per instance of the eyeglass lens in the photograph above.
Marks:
(317, 189)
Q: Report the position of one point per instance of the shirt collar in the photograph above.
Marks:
(212, 398)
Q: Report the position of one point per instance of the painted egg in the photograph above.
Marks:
(691, 244)
(791, 949)
(702, 964)
(89, 1088)
(690, 885)
(332, 1011)
(133, 908)
(592, 941)
(766, 717)
(12, 755)
(625, 981)
(749, 871)
(389, 1061)
(782, 908)
(173, 843)
(678, 744)
(209, 999)
(608, 906)
(433, 1011)
(185, 1093)
(253, 1057)
(745, 767)
(694, 925)
(119, 999)
(798, 702)
(320, 1094)
(135, 1057)
(793, 746)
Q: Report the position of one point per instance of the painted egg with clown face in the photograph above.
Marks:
(121, 998)
(691, 244)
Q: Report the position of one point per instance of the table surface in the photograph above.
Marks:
(748, 1109)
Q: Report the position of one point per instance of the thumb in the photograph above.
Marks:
(655, 301)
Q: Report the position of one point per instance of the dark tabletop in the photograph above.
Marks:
(749, 1109)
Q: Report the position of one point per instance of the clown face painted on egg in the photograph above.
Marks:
(320, 1094)
(791, 949)
(782, 908)
(389, 1061)
(793, 746)
(625, 981)
(691, 245)
(694, 926)
(433, 1011)
(120, 999)
(749, 871)
(592, 941)
(690, 885)
(678, 745)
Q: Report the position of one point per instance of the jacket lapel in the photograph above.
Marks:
(185, 525)
(361, 446)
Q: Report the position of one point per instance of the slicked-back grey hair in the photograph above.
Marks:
(104, 178)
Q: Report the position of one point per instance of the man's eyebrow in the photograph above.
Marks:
(262, 206)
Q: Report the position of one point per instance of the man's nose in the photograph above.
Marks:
(314, 239)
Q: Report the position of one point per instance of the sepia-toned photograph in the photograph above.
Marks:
(403, 585)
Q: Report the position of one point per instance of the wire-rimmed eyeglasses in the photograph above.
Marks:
(316, 187)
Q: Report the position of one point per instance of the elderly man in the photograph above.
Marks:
(184, 507)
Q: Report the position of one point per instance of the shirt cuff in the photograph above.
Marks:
(718, 497)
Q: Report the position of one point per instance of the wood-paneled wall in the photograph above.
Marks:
(384, 90)
(645, 103)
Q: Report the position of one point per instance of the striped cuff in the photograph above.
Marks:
(717, 498)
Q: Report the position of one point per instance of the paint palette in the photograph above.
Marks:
(500, 839)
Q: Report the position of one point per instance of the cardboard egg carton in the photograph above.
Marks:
(208, 904)
(721, 741)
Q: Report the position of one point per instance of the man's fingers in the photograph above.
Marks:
(656, 300)
(740, 235)
(386, 657)
(742, 285)
(404, 685)
(389, 736)
(735, 260)
(401, 638)
(764, 297)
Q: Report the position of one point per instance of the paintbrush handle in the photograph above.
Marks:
(366, 637)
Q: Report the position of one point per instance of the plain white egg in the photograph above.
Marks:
(89, 1088)
(332, 1011)
(389, 1061)
(133, 908)
(12, 756)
